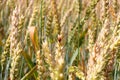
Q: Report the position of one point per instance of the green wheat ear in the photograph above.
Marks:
(49, 28)
(78, 73)
(5, 53)
(56, 19)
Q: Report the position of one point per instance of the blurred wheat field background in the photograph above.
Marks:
(59, 40)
